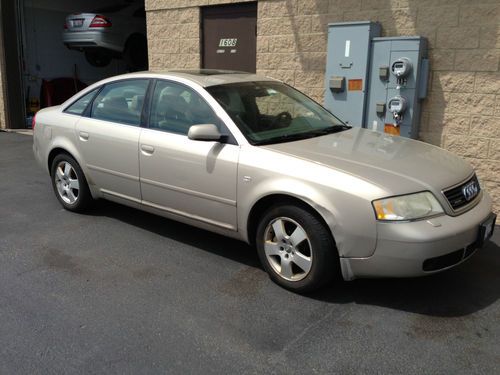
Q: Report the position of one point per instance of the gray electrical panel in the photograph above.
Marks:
(394, 73)
(402, 89)
(346, 69)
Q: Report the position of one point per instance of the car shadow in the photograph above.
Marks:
(463, 290)
(235, 250)
(466, 289)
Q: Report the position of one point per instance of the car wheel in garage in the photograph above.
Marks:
(296, 249)
(136, 53)
(69, 183)
(98, 57)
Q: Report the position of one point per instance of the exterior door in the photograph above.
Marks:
(229, 37)
(109, 138)
(194, 179)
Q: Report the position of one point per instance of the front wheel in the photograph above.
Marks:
(296, 249)
(69, 183)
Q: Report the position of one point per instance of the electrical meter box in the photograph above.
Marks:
(402, 89)
(391, 75)
(346, 69)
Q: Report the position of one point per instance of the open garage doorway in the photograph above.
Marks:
(63, 46)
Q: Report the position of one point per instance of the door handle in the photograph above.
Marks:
(84, 136)
(147, 149)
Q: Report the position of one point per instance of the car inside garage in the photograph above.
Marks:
(61, 47)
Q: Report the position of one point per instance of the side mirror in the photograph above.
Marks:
(204, 132)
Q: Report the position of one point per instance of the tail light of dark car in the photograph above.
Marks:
(100, 21)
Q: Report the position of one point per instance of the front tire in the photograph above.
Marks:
(296, 249)
(69, 183)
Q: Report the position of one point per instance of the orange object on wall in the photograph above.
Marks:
(391, 129)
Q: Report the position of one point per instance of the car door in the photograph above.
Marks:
(194, 179)
(109, 138)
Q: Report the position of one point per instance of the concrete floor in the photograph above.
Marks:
(118, 291)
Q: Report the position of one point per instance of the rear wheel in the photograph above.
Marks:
(296, 249)
(69, 183)
(98, 57)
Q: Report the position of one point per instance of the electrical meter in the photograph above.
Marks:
(397, 106)
(401, 67)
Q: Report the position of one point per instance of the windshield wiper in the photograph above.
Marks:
(305, 135)
(283, 138)
(329, 130)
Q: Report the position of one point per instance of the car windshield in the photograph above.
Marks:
(273, 112)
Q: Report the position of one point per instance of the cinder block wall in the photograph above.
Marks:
(462, 111)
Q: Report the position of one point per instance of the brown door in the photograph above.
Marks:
(229, 37)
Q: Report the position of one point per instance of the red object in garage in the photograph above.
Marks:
(58, 90)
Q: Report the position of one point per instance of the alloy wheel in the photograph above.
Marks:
(67, 182)
(288, 249)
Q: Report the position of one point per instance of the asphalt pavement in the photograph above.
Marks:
(119, 291)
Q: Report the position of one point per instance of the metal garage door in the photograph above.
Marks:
(229, 37)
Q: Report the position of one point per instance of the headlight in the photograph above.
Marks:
(407, 207)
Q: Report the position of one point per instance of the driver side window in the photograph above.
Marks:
(175, 108)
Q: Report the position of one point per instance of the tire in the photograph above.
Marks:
(98, 57)
(303, 256)
(136, 53)
(69, 183)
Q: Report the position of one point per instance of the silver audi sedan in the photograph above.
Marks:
(252, 158)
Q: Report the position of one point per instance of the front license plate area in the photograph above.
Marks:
(486, 229)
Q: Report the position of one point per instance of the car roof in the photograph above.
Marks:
(204, 77)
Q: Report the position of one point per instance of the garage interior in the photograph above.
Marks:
(40, 69)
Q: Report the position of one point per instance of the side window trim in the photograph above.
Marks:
(88, 108)
(146, 106)
(230, 137)
(96, 91)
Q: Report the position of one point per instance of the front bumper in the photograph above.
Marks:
(403, 248)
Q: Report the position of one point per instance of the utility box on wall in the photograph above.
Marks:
(347, 61)
(393, 72)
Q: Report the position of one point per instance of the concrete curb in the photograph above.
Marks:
(19, 131)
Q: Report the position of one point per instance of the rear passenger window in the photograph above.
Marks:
(78, 107)
(121, 102)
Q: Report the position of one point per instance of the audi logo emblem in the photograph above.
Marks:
(470, 190)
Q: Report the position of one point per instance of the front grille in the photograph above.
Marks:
(456, 196)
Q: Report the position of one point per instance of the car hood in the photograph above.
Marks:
(399, 165)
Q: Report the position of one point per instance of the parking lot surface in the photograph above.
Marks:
(119, 291)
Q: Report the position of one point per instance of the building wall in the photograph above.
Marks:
(462, 111)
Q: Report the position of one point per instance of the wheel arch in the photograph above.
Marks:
(68, 149)
(52, 155)
(263, 204)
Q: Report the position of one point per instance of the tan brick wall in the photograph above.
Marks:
(462, 111)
